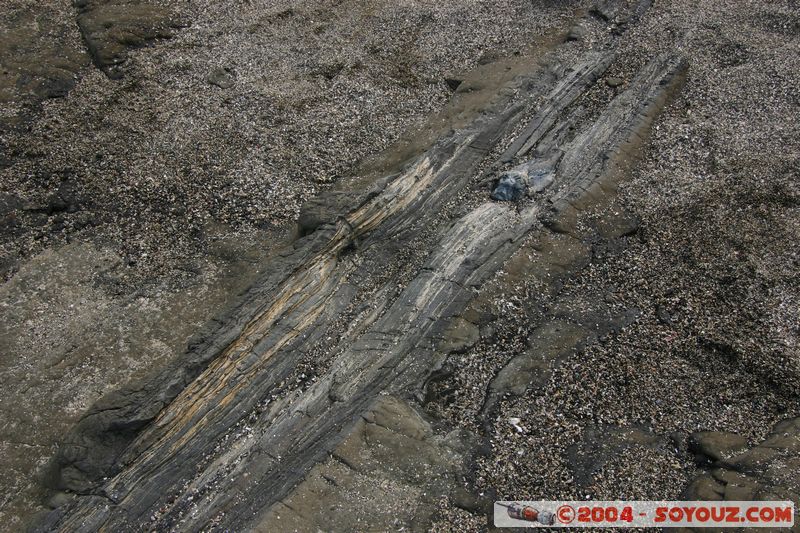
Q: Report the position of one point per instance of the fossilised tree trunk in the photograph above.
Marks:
(362, 301)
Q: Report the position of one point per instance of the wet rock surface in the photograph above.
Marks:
(715, 445)
(111, 27)
(767, 471)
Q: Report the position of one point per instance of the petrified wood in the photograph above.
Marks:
(354, 310)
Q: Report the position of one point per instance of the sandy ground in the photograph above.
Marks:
(182, 187)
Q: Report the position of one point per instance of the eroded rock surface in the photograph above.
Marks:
(390, 473)
(767, 471)
(111, 27)
(41, 56)
(91, 339)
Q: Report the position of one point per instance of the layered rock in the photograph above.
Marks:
(366, 303)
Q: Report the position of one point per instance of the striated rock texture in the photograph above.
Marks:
(165, 151)
(366, 297)
(389, 473)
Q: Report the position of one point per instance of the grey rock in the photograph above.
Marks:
(460, 336)
(488, 330)
(509, 188)
(576, 33)
(705, 488)
(528, 178)
(770, 470)
(614, 82)
(40, 58)
(532, 368)
(397, 466)
(323, 209)
(254, 351)
(9, 203)
(489, 57)
(59, 499)
(716, 445)
(466, 500)
(221, 77)
(616, 223)
(453, 82)
(606, 10)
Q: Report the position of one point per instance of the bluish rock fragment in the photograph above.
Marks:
(528, 178)
(509, 188)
